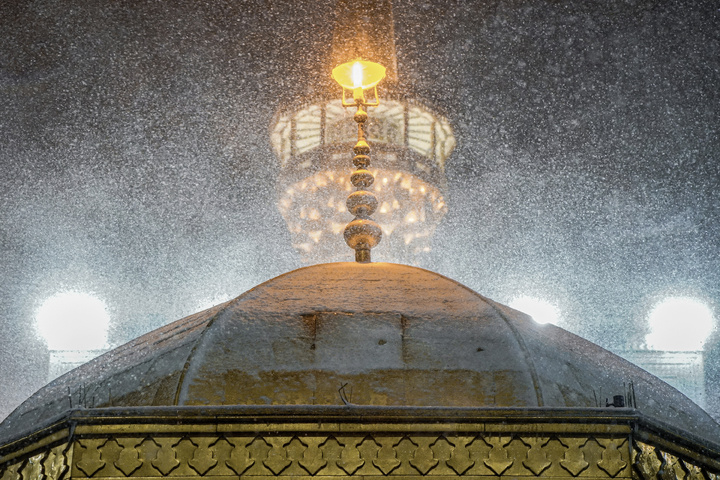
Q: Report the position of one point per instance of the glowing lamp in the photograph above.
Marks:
(73, 321)
(680, 324)
(540, 310)
(359, 76)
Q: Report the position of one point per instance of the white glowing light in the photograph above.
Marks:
(679, 324)
(357, 74)
(540, 310)
(73, 321)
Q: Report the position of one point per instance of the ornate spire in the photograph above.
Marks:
(414, 143)
(362, 233)
(361, 40)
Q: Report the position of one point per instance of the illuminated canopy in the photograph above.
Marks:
(411, 144)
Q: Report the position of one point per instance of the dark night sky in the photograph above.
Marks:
(136, 162)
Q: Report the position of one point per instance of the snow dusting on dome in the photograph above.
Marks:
(394, 335)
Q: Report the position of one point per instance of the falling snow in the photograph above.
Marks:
(136, 163)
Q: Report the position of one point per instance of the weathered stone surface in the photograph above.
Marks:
(349, 370)
(393, 335)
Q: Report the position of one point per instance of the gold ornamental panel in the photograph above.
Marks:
(339, 455)
(329, 451)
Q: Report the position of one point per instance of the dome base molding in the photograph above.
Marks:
(354, 441)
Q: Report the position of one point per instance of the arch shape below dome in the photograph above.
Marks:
(394, 335)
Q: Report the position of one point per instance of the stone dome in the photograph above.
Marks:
(394, 335)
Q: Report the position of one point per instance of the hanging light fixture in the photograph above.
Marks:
(411, 143)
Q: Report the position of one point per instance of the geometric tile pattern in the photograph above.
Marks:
(354, 455)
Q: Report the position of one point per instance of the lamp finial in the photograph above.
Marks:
(362, 233)
(359, 76)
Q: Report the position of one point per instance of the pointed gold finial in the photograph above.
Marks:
(362, 233)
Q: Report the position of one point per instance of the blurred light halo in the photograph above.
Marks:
(73, 320)
(679, 324)
(541, 310)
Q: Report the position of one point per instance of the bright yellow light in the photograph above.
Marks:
(679, 324)
(73, 321)
(358, 74)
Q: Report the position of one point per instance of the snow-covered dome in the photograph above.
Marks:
(393, 335)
